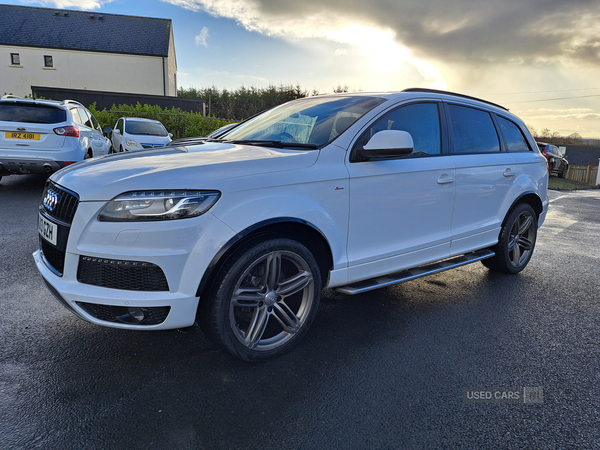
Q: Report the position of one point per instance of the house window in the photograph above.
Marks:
(15, 59)
(48, 61)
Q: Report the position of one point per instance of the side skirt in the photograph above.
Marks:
(412, 274)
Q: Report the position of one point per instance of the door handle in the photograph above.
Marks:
(508, 173)
(447, 180)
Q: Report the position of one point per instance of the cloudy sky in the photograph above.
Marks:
(539, 58)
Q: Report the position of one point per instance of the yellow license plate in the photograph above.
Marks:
(28, 136)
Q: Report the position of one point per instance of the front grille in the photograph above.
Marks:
(122, 314)
(125, 275)
(54, 256)
(152, 145)
(59, 203)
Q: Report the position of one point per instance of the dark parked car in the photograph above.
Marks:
(557, 162)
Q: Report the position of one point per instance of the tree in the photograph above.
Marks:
(341, 89)
(532, 130)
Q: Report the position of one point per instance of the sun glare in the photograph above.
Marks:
(385, 56)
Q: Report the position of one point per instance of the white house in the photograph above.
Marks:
(85, 50)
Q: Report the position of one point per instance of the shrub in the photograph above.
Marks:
(178, 122)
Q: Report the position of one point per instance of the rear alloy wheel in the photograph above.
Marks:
(563, 172)
(263, 300)
(516, 242)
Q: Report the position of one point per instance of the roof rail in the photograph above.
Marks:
(65, 102)
(436, 91)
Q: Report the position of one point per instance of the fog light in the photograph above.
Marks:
(133, 315)
(136, 313)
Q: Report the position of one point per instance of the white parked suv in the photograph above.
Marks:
(134, 133)
(43, 136)
(351, 191)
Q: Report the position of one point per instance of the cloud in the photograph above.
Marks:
(202, 37)
(487, 31)
(77, 4)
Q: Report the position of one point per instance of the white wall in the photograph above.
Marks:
(171, 68)
(83, 70)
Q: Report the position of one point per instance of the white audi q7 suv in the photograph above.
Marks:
(350, 191)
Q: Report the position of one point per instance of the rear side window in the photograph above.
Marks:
(473, 131)
(515, 140)
(31, 113)
(85, 118)
(75, 115)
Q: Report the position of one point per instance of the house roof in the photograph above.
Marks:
(27, 26)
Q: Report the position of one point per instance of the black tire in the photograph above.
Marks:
(516, 242)
(564, 171)
(88, 155)
(263, 299)
(111, 150)
(120, 149)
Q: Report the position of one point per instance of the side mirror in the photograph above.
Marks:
(171, 135)
(107, 131)
(116, 130)
(387, 144)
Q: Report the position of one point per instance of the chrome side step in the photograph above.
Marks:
(417, 272)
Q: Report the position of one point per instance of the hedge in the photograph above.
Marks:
(178, 122)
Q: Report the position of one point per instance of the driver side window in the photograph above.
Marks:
(421, 120)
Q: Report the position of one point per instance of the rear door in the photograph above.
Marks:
(485, 173)
(30, 126)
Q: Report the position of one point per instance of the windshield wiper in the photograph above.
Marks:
(269, 143)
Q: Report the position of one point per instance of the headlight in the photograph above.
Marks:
(146, 206)
(132, 143)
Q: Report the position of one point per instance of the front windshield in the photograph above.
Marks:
(145, 128)
(313, 121)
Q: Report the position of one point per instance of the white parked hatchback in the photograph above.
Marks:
(134, 133)
(350, 191)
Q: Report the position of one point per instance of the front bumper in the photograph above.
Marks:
(181, 248)
(71, 294)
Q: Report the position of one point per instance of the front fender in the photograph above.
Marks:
(324, 208)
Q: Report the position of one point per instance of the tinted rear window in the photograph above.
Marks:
(31, 113)
(515, 140)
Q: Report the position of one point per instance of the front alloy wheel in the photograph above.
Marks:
(264, 299)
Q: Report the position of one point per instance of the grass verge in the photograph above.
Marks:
(562, 184)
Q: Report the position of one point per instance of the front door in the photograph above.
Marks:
(401, 209)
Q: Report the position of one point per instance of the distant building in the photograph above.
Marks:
(85, 50)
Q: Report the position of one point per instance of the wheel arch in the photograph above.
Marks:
(532, 199)
(297, 229)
